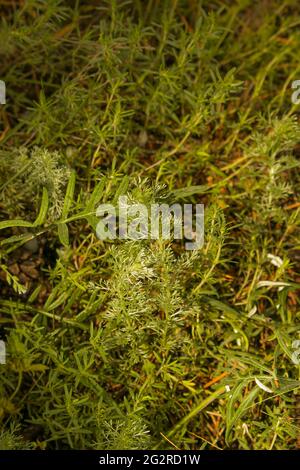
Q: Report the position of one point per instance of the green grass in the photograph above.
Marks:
(138, 345)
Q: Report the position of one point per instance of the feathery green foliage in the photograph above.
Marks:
(141, 344)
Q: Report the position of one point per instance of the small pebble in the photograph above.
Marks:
(32, 245)
(143, 138)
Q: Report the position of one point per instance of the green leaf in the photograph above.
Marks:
(96, 195)
(235, 413)
(197, 409)
(69, 196)
(283, 343)
(94, 199)
(63, 233)
(223, 307)
(25, 237)
(190, 191)
(15, 223)
(43, 209)
(121, 189)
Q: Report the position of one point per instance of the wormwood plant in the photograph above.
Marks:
(25, 175)
(140, 344)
